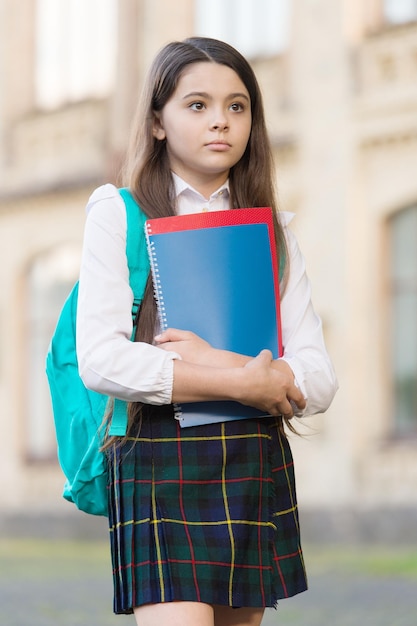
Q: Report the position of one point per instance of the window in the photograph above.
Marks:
(400, 11)
(254, 27)
(50, 279)
(403, 291)
(75, 49)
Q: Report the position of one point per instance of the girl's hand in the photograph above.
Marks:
(295, 396)
(205, 373)
(188, 345)
(271, 386)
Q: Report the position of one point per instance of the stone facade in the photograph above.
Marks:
(341, 106)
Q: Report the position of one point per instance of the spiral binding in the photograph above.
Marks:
(159, 297)
(157, 288)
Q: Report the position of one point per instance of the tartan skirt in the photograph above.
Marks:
(205, 513)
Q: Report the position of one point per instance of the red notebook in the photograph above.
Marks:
(217, 274)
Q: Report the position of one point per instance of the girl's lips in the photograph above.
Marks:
(219, 145)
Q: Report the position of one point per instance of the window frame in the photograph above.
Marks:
(69, 66)
(49, 278)
(242, 22)
(389, 8)
(399, 288)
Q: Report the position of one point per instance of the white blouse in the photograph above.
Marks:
(113, 365)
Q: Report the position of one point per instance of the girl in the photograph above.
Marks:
(203, 520)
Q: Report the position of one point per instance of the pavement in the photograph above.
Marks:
(68, 583)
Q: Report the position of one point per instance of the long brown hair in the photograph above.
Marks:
(147, 170)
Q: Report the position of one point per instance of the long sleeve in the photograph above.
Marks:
(113, 365)
(108, 361)
(302, 334)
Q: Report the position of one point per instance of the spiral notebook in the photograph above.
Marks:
(217, 274)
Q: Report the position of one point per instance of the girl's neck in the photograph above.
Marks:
(205, 187)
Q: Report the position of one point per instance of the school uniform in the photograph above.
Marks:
(206, 513)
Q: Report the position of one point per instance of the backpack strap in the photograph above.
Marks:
(139, 267)
(136, 250)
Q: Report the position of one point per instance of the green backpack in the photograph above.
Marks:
(78, 412)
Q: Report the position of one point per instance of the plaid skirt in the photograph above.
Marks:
(205, 514)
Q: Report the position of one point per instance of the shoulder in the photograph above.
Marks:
(105, 197)
(107, 192)
(285, 218)
(106, 205)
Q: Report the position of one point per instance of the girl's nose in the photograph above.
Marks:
(219, 123)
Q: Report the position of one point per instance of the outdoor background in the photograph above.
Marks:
(339, 79)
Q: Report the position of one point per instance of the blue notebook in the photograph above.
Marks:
(216, 274)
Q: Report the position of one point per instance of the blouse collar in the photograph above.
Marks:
(181, 186)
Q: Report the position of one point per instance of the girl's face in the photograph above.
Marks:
(206, 124)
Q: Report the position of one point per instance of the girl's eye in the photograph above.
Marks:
(237, 107)
(197, 106)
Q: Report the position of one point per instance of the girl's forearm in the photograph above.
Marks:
(205, 373)
(198, 383)
(225, 358)
(250, 381)
(193, 349)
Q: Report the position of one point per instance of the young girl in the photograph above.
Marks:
(203, 520)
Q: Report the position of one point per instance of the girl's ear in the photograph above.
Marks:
(157, 128)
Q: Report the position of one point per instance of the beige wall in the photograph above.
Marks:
(29, 226)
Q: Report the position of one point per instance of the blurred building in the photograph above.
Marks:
(341, 102)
